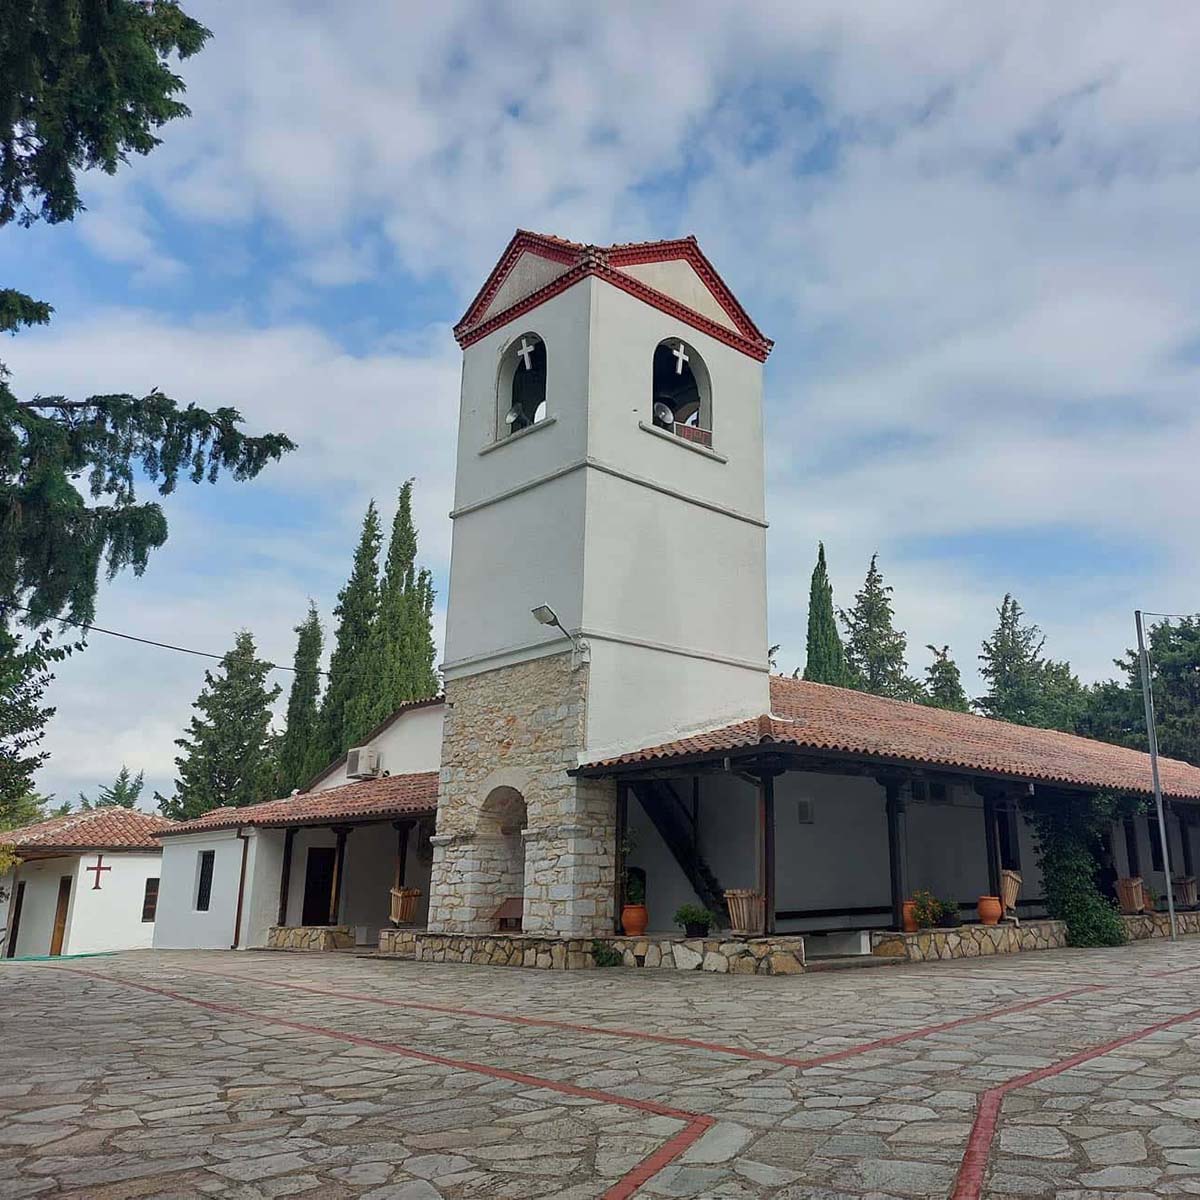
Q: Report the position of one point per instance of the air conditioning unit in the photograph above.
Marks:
(362, 762)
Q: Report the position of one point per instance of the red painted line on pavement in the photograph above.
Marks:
(695, 1124)
(969, 1183)
(662, 1038)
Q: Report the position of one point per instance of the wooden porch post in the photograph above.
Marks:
(339, 862)
(285, 876)
(766, 848)
(622, 826)
(897, 829)
(991, 842)
(1185, 840)
(402, 828)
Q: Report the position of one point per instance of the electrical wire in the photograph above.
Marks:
(129, 637)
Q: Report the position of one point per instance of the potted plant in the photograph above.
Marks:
(926, 908)
(696, 921)
(909, 921)
(634, 917)
(948, 917)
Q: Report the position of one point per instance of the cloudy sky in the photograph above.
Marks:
(971, 231)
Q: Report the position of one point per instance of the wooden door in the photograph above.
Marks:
(15, 930)
(318, 885)
(60, 915)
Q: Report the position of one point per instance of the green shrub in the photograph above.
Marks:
(926, 908)
(606, 955)
(1068, 828)
(693, 914)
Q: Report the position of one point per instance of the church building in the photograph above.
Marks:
(609, 714)
(84, 883)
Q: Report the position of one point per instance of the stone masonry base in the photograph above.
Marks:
(780, 955)
(310, 937)
(970, 941)
(1158, 924)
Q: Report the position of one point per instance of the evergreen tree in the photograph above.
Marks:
(1024, 686)
(295, 747)
(358, 602)
(123, 792)
(226, 751)
(1012, 666)
(1113, 711)
(943, 682)
(874, 647)
(24, 676)
(400, 650)
(825, 661)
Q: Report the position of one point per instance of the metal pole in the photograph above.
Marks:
(1152, 735)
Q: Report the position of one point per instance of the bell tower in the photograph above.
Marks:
(610, 476)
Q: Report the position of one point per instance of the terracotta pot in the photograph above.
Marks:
(634, 919)
(910, 916)
(990, 910)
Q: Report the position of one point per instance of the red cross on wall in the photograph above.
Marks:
(98, 868)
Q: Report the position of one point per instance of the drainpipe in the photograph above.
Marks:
(237, 920)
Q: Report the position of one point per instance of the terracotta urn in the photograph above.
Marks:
(990, 910)
(910, 916)
(634, 919)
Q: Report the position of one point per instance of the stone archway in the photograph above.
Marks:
(501, 844)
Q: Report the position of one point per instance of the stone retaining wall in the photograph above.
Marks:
(970, 941)
(783, 955)
(1158, 924)
(310, 937)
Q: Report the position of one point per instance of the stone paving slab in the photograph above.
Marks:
(156, 1074)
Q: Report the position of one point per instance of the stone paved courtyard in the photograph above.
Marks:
(1064, 1073)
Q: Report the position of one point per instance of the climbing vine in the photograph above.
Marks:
(1069, 828)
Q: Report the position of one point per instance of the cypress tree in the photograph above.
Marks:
(295, 747)
(357, 605)
(943, 682)
(400, 649)
(226, 757)
(874, 647)
(825, 661)
(1012, 666)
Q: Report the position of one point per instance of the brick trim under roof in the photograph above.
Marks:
(366, 800)
(94, 829)
(837, 722)
(605, 262)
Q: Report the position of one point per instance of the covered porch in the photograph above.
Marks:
(339, 885)
(839, 810)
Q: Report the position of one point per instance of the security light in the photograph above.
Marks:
(545, 615)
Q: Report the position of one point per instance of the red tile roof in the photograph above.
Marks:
(96, 829)
(390, 796)
(839, 722)
(605, 262)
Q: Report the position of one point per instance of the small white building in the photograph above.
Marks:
(86, 882)
(322, 864)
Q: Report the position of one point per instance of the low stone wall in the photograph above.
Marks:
(970, 941)
(782, 955)
(399, 942)
(1158, 924)
(310, 937)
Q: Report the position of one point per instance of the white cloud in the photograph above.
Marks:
(970, 230)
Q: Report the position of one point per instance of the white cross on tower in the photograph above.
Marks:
(525, 354)
(680, 358)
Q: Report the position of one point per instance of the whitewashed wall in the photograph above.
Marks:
(411, 744)
(41, 879)
(180, 925)
(838, 860)
(111, 918)
(260, 902)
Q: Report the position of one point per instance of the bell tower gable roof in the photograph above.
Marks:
(674, 276)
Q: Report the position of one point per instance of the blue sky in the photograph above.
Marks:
(971, 232)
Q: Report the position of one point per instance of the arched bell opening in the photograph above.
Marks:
(521, 391)
(680, 391)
